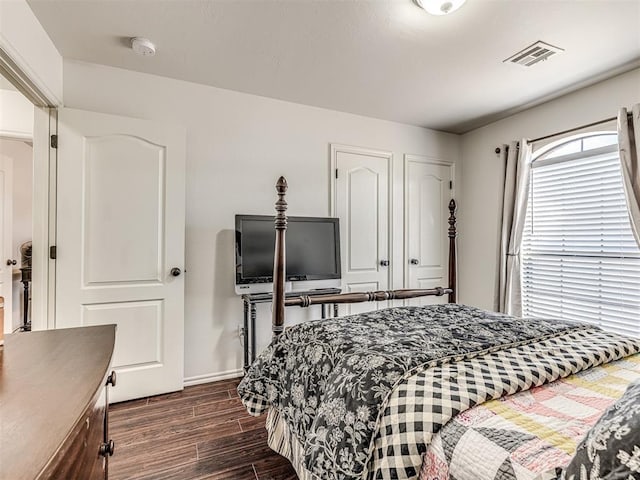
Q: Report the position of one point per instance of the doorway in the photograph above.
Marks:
(16, 219)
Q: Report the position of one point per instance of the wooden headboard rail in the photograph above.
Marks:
(279, 262)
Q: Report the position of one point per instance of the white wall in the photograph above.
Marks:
(16, 115)
(237, 146)
(483, 173)
(28, 45)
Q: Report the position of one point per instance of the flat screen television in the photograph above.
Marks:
(312, 255)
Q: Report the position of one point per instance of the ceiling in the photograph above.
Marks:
(380, 58)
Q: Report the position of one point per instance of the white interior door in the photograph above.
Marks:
(6, 239)
(428, 188)
(120, 232)
(361, 202)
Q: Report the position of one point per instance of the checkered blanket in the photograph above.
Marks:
(420, 407)
(528, 435)
(350, 390)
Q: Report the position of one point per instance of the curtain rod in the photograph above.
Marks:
(593, 124)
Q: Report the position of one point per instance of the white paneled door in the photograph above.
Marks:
(120, 243)
(428, 189)
(6, 239)
(361, 202)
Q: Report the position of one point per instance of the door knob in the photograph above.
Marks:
(414, 261)
(11, 262)
(384, 263)
(175, 271)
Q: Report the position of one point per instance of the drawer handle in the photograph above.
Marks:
(111, 379)
(107, 448)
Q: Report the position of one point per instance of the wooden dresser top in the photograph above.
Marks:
(47, 379)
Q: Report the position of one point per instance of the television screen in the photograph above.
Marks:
(313, 248)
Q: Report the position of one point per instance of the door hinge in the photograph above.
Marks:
(450, 184)
(336, 173)
(54, 141)
(53, 252)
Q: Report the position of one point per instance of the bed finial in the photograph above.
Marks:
(277, 324)
(453, 262)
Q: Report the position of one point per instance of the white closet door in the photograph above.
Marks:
(120, 232)
(428, 190)
(361, 202)
(6, 239)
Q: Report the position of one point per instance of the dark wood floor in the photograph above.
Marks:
(203, 432)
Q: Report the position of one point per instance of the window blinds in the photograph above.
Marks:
(580, 260)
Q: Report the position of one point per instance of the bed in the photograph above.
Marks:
(441, 391)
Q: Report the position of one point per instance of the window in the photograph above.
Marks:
(579, 258)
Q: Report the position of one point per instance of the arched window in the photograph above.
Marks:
(580, 260)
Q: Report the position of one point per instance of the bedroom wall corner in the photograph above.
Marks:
(479, 211)
(25, 41)
(237, 146)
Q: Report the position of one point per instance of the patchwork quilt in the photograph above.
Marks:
(362, 396)
(528, 435)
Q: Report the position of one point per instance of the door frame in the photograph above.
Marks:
(424, 159)
(44, 184)
(333, 192)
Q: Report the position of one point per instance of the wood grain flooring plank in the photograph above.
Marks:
(147, 418)
(231, 444)
(146, 452)
(196, 429)
(207, 467)
(245, 472)
(155, 462)
(177, 399)
(252, 423)
(156, 438)
(114, 407)
(274, 468)
(220, 406)
(196, 390)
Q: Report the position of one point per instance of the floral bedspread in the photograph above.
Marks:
(331, 379)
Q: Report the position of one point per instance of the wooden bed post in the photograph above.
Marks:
(279, 273)
(453, 261)
(277, 323)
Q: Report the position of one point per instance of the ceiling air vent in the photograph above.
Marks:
(533, 54)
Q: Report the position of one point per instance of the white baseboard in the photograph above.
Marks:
(212, 377)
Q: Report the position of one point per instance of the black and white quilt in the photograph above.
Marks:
(331, 380)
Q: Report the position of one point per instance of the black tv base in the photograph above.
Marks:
(249, 327)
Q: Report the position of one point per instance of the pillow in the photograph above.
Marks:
(611, 449)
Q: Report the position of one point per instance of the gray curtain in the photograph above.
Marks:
(514, 209)
(629, 144)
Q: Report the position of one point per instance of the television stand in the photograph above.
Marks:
(252, 299)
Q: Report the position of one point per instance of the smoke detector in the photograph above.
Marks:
(533, 54)
(143, 46)
(439, 7)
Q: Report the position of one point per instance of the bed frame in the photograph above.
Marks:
(279, 300)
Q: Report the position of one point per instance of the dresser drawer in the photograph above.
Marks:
(79, 457)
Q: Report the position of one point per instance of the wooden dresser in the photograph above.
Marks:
(54, 404)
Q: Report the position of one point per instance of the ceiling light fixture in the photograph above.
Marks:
(143, 46)
(440, 7)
